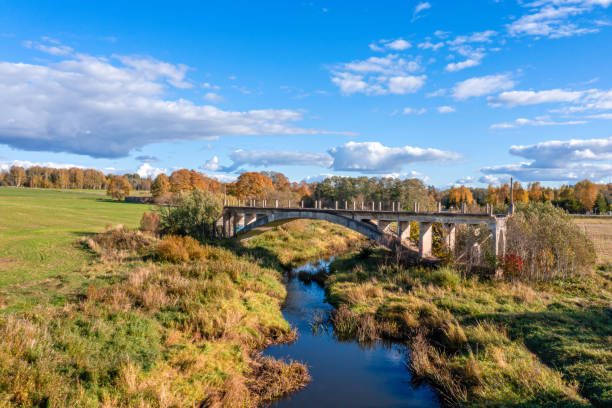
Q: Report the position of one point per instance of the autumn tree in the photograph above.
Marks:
(76, 177)
(279, 180)
(586, 193)
(491, 195)
(18, 175)
(118, 187)
(160, 186)
(460, 195)
(180, 181)
(252, 185)
(535, 191)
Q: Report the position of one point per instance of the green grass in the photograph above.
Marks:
(38, 231)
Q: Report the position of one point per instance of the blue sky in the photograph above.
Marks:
(451, 92)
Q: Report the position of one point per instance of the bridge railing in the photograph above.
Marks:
(374, 206)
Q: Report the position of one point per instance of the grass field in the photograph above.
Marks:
(38, 231)
(600, 231)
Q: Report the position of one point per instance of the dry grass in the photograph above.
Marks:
(600, 231)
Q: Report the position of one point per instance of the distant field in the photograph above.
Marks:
(600, 230)
(38, 231)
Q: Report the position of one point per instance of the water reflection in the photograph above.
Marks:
(344, 374)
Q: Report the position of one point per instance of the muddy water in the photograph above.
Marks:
(344, 374)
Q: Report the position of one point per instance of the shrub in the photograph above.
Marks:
(544, 243)
(150, 222)
(193, 214)
(445, 277)
(177, 249)
(120, 238)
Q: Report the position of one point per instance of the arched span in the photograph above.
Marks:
(271, 220)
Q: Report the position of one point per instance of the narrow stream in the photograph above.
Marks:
(344, 374)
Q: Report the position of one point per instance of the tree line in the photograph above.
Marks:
(584, 196)
(72, 178)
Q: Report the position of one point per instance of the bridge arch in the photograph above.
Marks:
(270, 220)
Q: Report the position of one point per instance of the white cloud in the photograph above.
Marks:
(535, 122)
(5, 165)
(422, 6)
(213, 97)
(479, 86)
(428, 45)
(558, 153)
(458, 66)
(398, 45)
(514, 98)
(414, 111)
(212, 164)
(54, 48)
(373, 157)
(208, 85)
(557, 160)
(252, 158)
(378, 76)
(478, 37)
(146, 170)
(147, 159)
(98, 107)
(446, 109)
(552, 18)
(406, 84)
(317, 178)
(464, 181)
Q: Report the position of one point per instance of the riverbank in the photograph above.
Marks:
(482, 342)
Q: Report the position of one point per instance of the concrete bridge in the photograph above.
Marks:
(247, 219)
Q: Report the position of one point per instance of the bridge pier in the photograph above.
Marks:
(425, 229)
(404, 230)
(450, 236)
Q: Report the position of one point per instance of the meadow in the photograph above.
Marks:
(38, 230)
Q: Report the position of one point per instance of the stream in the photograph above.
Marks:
(344, 374)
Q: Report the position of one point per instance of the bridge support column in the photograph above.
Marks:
(425, 238)
(238, 222)
(498, 239)
(404, 230)
(227, 225)
(450, 236)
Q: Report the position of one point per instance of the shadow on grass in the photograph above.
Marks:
(572, 340)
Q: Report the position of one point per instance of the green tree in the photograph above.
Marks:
(601, 204)
(193, 214)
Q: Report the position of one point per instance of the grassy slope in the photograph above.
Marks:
(492, 343)
(38, 229)
(132, 332)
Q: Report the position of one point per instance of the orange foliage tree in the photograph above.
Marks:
(252, 185)
(118, 187)
(460, 195)
(586, 192)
